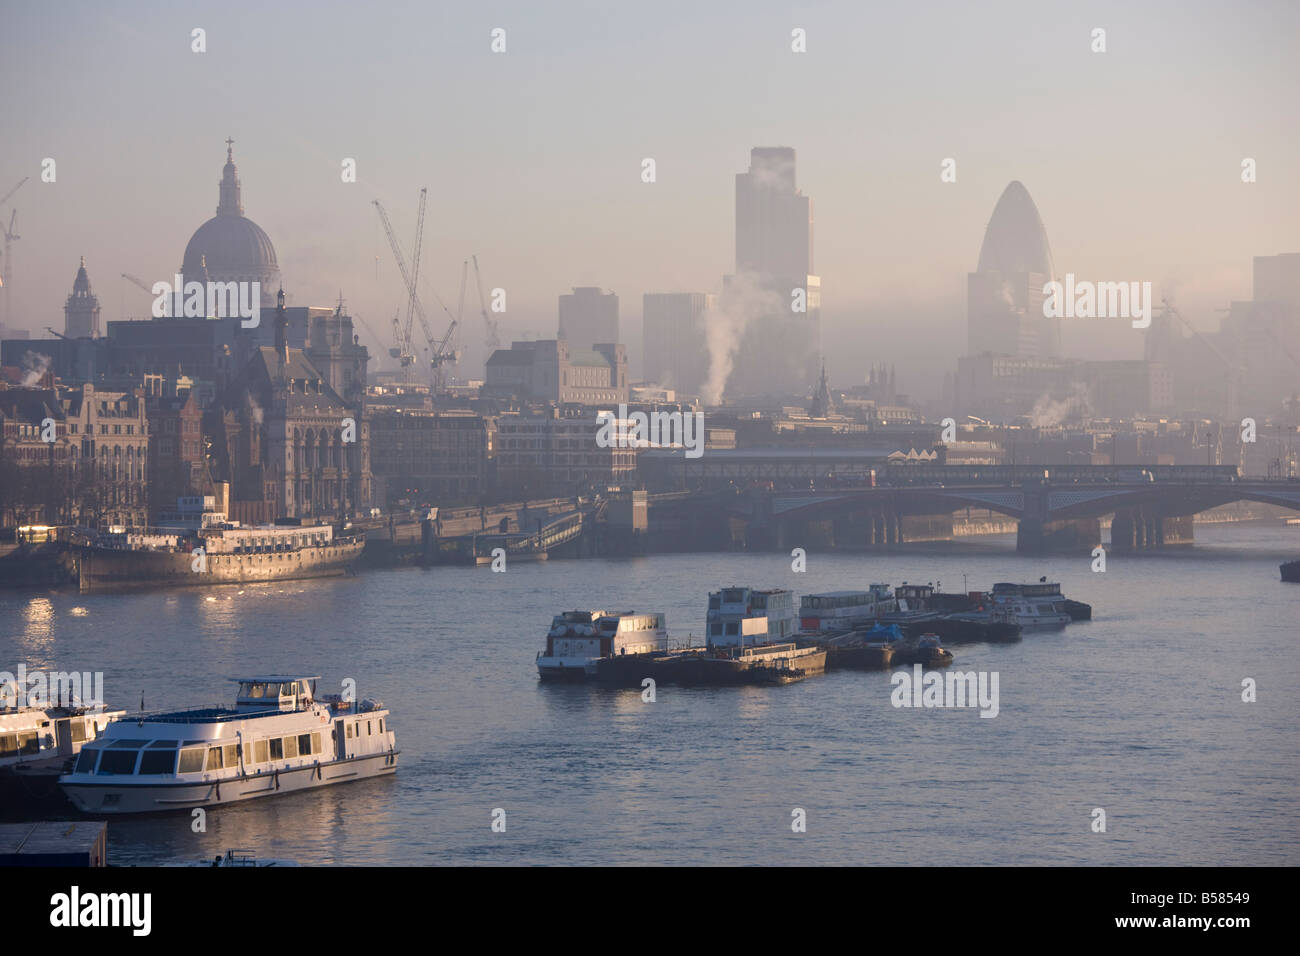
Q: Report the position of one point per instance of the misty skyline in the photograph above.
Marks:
(533, 156)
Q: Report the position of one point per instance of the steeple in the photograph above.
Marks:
(81, 284)
(230, 204)
(81, 311)
(821, 403)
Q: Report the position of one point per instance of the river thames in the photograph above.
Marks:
(1138, 713)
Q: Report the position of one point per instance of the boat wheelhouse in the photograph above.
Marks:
(279, 737)
(740, 616)
(579, 640)
(1031, 605)
(841, 610)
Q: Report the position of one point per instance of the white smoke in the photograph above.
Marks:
(255, 410)
(744, 300)
(35, 366)
(1049, 411)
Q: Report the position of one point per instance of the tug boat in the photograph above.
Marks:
(926, 651)
(279, 738)
(596, 645)
(37, 744)
(1032, 606)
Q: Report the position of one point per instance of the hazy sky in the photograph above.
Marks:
(533, 157)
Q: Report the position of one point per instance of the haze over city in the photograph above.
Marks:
(533, 157)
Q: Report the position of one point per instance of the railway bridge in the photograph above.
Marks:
(1057, 508)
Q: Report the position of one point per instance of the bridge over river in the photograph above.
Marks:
(1056, 507)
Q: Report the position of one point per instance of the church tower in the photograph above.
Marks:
(81, 311)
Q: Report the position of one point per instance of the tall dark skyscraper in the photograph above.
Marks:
(588, 317)
(779, 350)
(674, 349)
(1004, 295)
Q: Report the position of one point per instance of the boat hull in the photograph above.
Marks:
(861, 657)
(107, 569)
(109, 798)
(703, 670)
(31, 791)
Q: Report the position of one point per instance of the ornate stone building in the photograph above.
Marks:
(289, 444)
(230, 247)
(109, 436)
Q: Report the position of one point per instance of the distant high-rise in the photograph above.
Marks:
(674, 350)
(1277, 279)
(588, 316)
(774, 266)
(1004, 295)
(81, 311)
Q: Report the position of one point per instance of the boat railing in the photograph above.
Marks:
(216, 714)
(767, 649)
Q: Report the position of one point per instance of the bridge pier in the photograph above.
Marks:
(1142, 529)
(1075, 535)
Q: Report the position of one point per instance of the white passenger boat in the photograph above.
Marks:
(1030, 605)
(280, 737)
(842, 610)
(754, 615)
(579, 641)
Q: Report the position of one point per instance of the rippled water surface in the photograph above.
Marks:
(1138, 712)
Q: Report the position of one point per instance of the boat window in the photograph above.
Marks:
(232, 756)
(381, 725)
(158, 761)
(277, 748)
(29, 743)
(244, 688)
(291, 746)
(8, 744)
(191, 760)
(163, 744)
(257, 691)
(78, 728)
(349, 731)
(117, 762)
(369, 731)
(259, 752)
(315, 743)
(86, 760)
(304, 745)
(214, 758)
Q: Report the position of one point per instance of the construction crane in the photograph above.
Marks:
(403, 349)
(6, 274)
(443, 352)
(137, 281)
(493, 339)
(415, 271)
